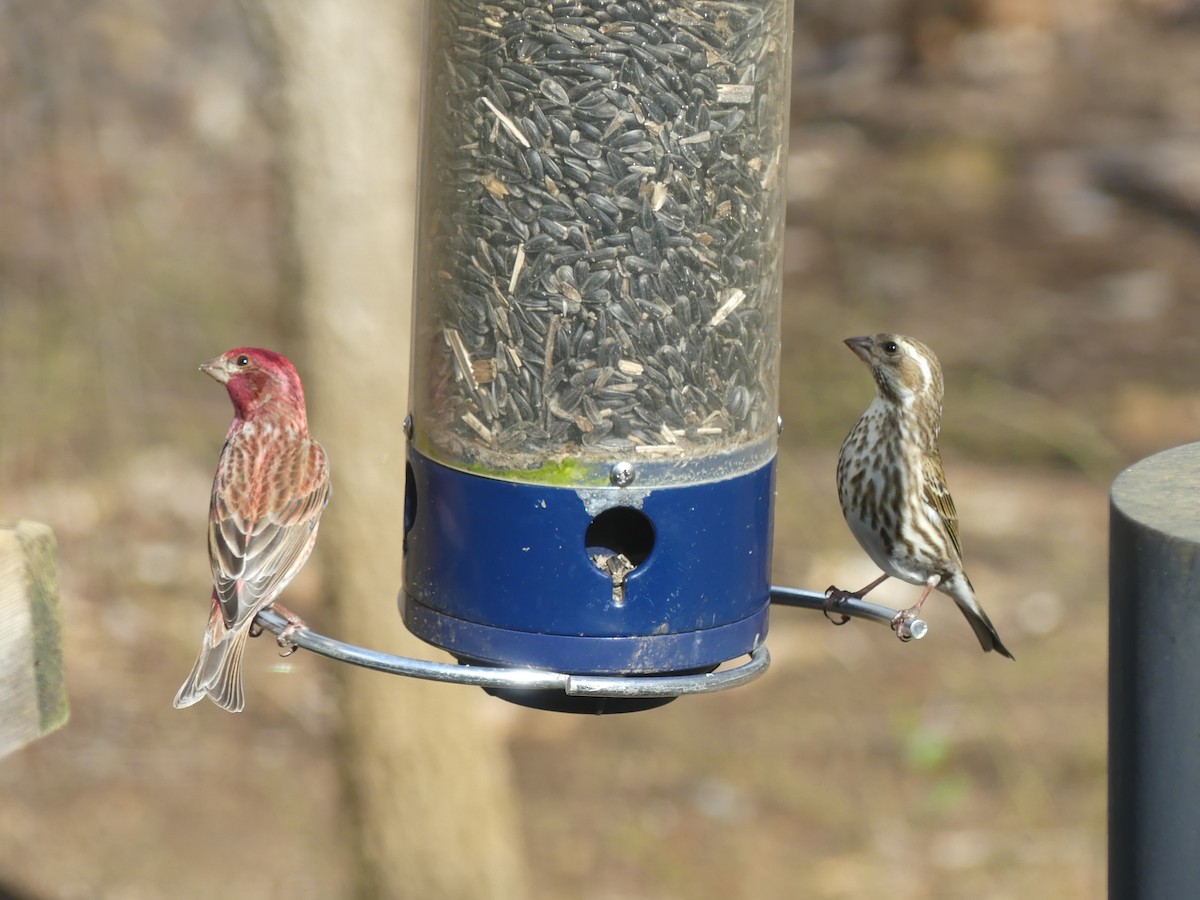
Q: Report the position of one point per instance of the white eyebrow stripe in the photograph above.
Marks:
(925, 371)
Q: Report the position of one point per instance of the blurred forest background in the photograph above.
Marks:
(1015, 182)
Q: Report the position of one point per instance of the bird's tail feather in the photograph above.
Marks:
(961, 590)
(218, 670)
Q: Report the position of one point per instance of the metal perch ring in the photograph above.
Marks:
(623, 686)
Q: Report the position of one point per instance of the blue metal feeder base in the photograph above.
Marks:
(597, 581)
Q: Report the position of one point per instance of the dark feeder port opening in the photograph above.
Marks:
(596, 337)
(623, 531)
(617, 542)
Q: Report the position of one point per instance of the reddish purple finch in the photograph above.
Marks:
(271, 486)
(892, 488)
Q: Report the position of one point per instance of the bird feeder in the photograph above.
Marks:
(596, 333)
(594, 410)
(591, 446)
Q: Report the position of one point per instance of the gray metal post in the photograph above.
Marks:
(1154, 679)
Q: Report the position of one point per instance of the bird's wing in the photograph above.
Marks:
(938, 496)
(264, 515)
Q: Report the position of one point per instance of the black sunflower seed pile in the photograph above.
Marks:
(602, 219)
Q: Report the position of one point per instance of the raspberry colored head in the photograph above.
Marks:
(260, 382)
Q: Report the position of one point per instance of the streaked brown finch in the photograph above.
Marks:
(271, 486)
(892, 488)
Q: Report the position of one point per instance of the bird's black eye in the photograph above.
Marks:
(891, 347)
(243, 360)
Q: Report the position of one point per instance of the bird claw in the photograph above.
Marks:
(284, 638)
(294, 624)
(835, 597)
(907, 625)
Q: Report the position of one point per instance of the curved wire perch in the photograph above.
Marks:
(622, 686)
(910, 628)
(625, 686)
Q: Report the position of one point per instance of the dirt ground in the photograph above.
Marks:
(1018, 188)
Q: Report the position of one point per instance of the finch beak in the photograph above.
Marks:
(215, 368)
(861, 347)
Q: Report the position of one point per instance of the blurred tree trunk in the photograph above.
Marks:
(429, 784)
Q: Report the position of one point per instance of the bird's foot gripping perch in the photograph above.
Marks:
(835, 597)
(908, 626)
(284, 637)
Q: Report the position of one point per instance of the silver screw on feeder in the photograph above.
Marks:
(622, 474)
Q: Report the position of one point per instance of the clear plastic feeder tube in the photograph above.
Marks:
(601, 222)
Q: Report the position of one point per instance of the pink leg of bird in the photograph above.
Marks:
(835, 597)
(915, 610)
